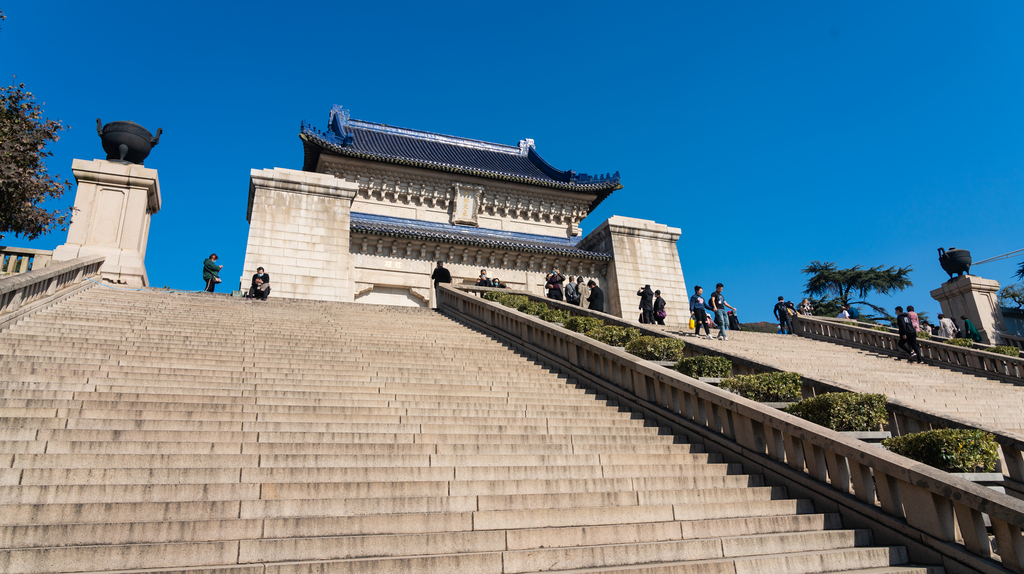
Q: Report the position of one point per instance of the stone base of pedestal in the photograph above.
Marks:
(114, 203)
(977, 299)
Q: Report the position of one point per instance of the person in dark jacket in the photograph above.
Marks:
(554, 284)
(782, 316)
(260, 288)
(211, 272)
(441, 275)
(659, 309)
(596, 298)
(908, 336)
(646, 304)
(698, 311)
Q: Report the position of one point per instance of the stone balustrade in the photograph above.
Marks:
(968, 360)
(19, 292)
(904, 418)
(946, 513)
(1014, 341)
(22, 259)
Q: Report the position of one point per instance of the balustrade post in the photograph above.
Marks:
(1014, 462)
(863, 482)
(838, 471)
(1010, 544)
(888, 489)
(930, 512)
(972, 529)
(794, 452)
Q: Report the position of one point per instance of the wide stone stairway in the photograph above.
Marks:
(932, 388)
(162, 432)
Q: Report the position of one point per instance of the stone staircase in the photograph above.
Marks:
(932, 388)
(158, 432)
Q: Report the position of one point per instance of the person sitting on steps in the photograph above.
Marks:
(260, 288)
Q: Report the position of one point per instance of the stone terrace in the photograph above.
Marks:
(147, 430)
(930, 388)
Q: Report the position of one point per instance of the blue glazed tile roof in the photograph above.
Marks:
(380, 142)
(474, 236)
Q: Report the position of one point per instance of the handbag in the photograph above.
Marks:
(661, 314)
(692, 323)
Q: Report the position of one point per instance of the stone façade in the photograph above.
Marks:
(375, 207)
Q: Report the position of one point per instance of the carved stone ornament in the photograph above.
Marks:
(467, 203)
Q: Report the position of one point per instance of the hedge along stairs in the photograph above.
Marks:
(933, 389)
(157, 432)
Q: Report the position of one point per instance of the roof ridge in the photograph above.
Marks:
(520, 150)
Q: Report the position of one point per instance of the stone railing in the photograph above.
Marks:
(19, 293)
(945, 513)
(22, 259)
(903, 418)
(963, 359)
(1013, 340)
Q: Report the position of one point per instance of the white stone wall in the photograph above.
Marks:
(644, 253)
(380, 265)
(299, 233)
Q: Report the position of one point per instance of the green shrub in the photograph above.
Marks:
(766, 387)
(843, 411)
(705, 366)
(656, 348)
(533, 308)
(582, 324)
(1006, 350)
(924, 335)
(507, 299)
(851, 323)
(951, 450)
(961, 342)
(882, 328)
(555, 316)
(613, 335)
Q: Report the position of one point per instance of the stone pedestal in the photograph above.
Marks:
(644, 253)
(975, 298)
(114, 202)
(299, 233)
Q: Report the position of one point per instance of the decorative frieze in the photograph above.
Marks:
(423, 188)
(479, 257)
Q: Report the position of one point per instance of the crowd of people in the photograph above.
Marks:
(575, 292)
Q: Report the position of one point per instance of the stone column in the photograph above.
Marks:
(643, 253)
(299, 233)
(114, 203)
(976, 298)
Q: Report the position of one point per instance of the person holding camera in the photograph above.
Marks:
(554, 284)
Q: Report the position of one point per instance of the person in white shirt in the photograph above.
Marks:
(947, 328)
(844, 314)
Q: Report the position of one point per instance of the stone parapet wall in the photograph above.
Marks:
(644, 253)
(299, 233)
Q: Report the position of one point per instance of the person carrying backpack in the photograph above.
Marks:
(782, 316)
(572, 294)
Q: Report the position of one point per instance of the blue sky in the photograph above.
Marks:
(772, 134)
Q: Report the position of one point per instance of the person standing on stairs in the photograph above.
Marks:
(582, 290)
(698, 312)
(441, 275)
(596, 298)
(646, 304)
(782, 316)
(718, 305)
(554, 284)
(970, 330)
(572, 296)
(908, 336)
(659, 309)
(211, 272)
(947, 328)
